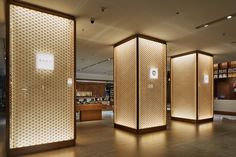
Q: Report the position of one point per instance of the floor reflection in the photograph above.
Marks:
(100, 139)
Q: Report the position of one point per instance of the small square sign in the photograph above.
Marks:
(44, 61)
(206, 78)
(153, 73)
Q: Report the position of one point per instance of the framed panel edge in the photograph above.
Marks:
(47, 146)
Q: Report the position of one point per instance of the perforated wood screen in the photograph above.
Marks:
(205, 86)
(183, 87)
(125, 79)
(152, 98)
(41, 96)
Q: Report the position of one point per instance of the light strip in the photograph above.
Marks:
(216, 21)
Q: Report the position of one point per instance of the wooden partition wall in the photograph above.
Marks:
(192, 87)
(41, 75)
(140, 97)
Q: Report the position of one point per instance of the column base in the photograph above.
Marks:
(192, 121)
(140, 131)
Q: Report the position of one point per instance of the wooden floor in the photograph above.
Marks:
(100, 139)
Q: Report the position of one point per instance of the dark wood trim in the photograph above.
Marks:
(153, 129)
(7, 17)
(139, 36)
(205, 53)
(192, 120)
(166, 85)
(114, 87)
(183, 54)
(125, 128)
(192, 52)
(41, 9)
(137, 81)
(40, 148)
(125, 40)
(205, 120)
(171, 87)
(75, 84)
(225, 113)
(183, 120)
(196, 86)
(151, 38)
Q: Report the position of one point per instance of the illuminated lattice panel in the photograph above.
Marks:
(41, 103)
(205, 87)
(152, 107)
(125, 84)
(183, 87)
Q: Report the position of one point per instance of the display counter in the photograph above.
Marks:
(225, 107)
(89, 112)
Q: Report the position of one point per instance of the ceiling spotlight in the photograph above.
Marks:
(206, 25)
(229, 17)
(92, 20)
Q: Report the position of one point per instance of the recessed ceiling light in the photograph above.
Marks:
(206, 25)
(229, 17)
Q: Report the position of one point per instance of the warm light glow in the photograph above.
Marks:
(44, 61)
(41, 106)
(69, 82)
(183, 82)
(206, 78)
(206, 25)
(229, 17)
(153, 74)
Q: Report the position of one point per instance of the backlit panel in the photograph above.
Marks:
(125, 79)
(183, 87)
(205, 86)
(41, 101)
(152, 107)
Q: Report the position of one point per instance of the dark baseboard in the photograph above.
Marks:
(225, 113)
(191, 120)
(40, 148)
(140, 131)
(153, 129)
(205, 120)
(125, 128)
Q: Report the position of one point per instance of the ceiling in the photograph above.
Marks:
(156, 18)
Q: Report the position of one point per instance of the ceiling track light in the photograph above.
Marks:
(216, 21)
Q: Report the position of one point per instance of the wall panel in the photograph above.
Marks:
(125, 84)
(41, 102)
(205, 87)
(183, 87)
(152, 107)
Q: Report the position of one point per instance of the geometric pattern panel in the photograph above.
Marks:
(41, 102)
(183, 87)
(125, 84)
(205, 86)
(152, 97)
